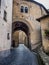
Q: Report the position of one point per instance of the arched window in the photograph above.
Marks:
(22, 9)
(26, 9)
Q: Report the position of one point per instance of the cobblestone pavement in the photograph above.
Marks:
(44, 56)
(18, 56)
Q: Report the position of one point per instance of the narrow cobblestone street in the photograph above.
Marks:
(20, 56)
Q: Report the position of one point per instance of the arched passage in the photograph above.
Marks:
(18, 25)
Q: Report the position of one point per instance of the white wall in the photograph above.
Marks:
(5, 27)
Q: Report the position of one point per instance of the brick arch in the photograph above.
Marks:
(28, 23)
(19, 25)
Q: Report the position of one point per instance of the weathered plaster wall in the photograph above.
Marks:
(45, 40)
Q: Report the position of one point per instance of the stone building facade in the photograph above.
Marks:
(5, 24)
(44, 21)
(21, 18)
(27, 12)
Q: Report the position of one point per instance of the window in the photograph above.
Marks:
(26, 9)
(0, 3)
(22, 9)
(8, 36)
(0, 6)
(5, 15)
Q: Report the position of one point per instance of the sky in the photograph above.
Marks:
(44, 2)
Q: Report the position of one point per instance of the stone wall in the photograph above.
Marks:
(5, 26)
(45, 39)
(34, 11)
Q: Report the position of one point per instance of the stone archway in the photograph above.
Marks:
(18, 25)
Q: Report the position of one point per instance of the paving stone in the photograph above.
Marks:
(44, 57)
(20, 56)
